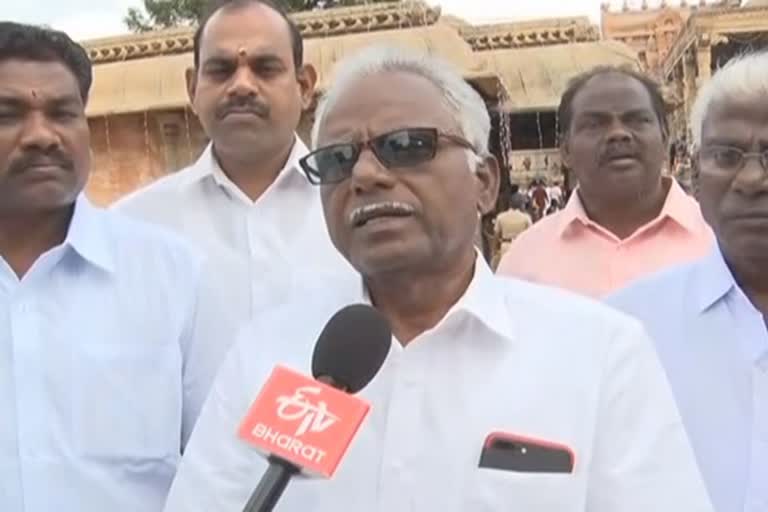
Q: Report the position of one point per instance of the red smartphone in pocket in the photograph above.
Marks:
(510, 452)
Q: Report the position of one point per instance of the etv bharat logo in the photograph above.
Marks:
(314, 418)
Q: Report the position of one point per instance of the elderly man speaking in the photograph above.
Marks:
(402, 159)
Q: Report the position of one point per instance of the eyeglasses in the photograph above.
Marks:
(397, 149)
(731, 159)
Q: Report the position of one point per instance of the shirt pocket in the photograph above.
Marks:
(493, 490)
(127, 402)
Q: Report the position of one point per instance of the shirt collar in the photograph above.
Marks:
(712, 281)
(89, 236)
(572, 213)
(207, 167)
(678, 207)
(483, 299)
(681, 208)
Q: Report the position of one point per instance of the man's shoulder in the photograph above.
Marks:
(288, 331)
(546, 230)
(159, 194)
(146, 245)
(660, 294)
(562, 316)
(512, 215)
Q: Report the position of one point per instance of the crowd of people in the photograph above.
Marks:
(626, 322)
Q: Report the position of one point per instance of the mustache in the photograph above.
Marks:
(618, 151)
(240, 103)
(40, 158)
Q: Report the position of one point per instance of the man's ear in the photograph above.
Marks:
(488, 179)
(191, 76)
(306, 75)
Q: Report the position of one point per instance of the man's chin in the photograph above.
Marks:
(383, 261)
(245, 142)
(42, 199)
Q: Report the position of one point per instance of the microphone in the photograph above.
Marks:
(305, 425)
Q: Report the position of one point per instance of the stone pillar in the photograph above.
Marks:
(703, 61)
(689, 82)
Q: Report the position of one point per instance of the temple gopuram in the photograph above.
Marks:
(682, 45)
(142, 127)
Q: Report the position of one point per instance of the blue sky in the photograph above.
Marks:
(96, 18)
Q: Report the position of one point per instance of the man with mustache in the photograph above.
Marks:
(709, 318)
(403, 164)
(624, 220)
(245, 201)
(99, 315)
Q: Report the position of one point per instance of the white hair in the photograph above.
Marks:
(464, 103)
(744, 77)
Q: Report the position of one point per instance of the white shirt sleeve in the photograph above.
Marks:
(218, 471)
(642, 459)
(203, 348)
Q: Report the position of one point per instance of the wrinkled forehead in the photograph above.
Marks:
(739, 120)
(383, 101)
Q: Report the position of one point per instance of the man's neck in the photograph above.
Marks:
(751, 278)
(759, 298)
(254, 173)
(25, 237)
(415, 302)
(756, 290)
(623, 218)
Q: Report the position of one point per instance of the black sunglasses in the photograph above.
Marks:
(400, 148)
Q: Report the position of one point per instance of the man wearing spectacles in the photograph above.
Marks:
(404, 171)
(709, 318)
(625, 220)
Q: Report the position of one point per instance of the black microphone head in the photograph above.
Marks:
(352, 347)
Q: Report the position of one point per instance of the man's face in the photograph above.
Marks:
(734, 197)
(615, 145)
(247, 91)
(44, 137)
(428, 212)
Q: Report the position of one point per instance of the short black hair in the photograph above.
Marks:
(29, 42)
(214, 6)
(576, 84)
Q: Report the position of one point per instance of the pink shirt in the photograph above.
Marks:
(570, 251)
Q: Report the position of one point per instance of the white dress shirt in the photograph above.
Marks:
(259, 252)
(509, 356)
(94, 340)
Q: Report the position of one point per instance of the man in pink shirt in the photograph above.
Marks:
(624, 220)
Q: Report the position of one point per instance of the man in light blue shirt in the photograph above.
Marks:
(709, 318)
(102, 369)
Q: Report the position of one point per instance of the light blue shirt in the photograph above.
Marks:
(94, 341)
(713, 344)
